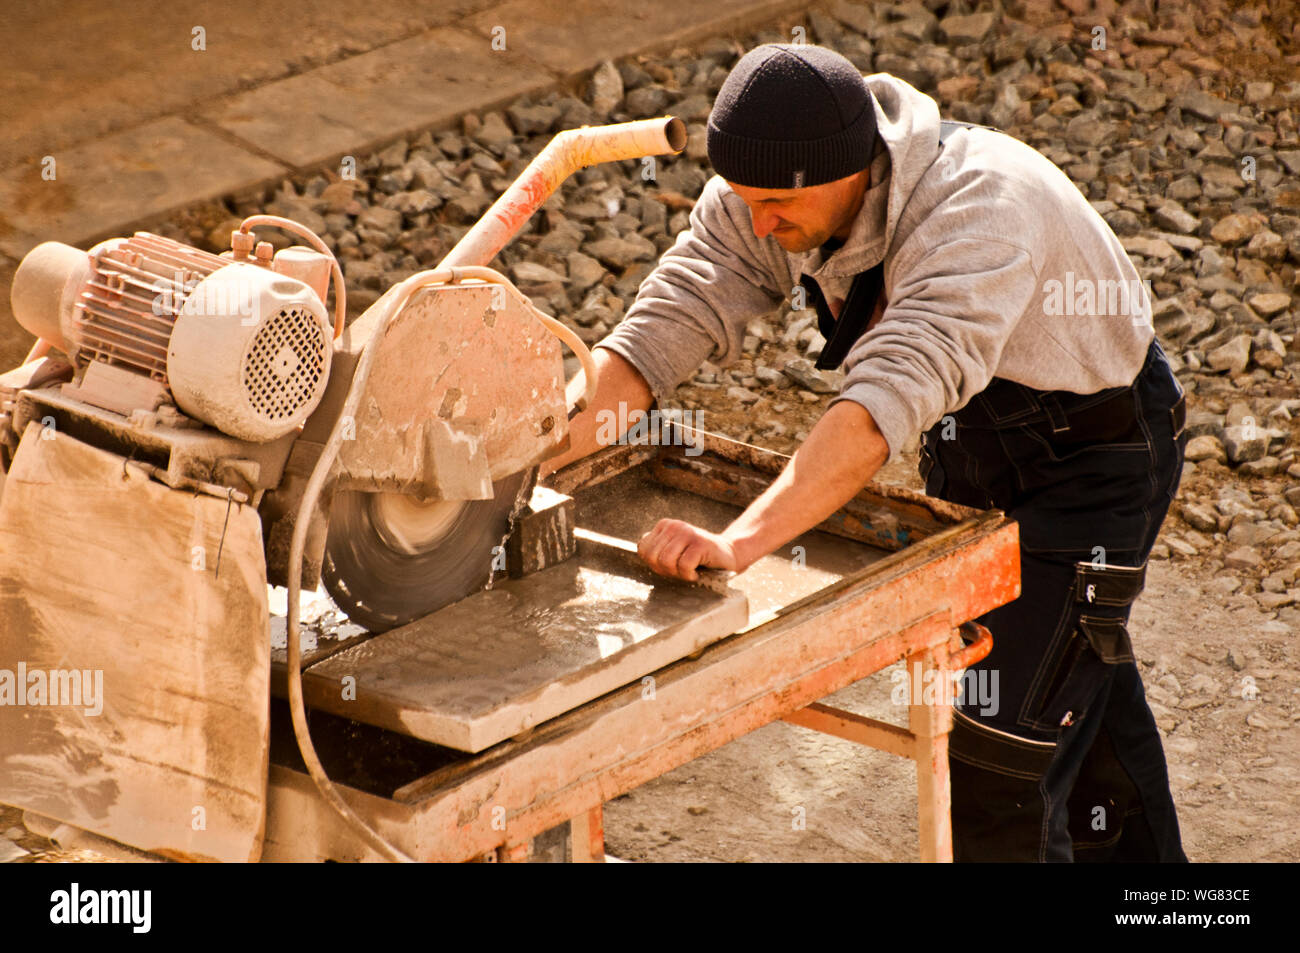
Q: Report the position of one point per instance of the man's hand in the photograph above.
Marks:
(843, 452)
(677, 549)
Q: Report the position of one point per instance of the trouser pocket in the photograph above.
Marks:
(1092, 635)
(998, 808)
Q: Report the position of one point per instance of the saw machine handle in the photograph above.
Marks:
(564, 155)
(980, 646)
(581, 351)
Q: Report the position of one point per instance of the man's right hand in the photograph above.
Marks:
(680, 549)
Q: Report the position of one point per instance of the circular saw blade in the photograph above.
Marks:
(387, 564)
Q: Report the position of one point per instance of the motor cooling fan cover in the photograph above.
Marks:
(250, 352)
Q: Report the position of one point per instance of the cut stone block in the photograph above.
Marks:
(543, 533)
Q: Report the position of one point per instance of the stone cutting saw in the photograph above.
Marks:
(189, 428)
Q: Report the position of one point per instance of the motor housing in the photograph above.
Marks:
(244, 347)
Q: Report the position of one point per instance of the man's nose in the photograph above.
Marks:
(764, 222)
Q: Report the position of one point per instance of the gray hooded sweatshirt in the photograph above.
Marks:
(994, 265)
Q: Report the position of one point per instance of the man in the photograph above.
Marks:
(973, 295)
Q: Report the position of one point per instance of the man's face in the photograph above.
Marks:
(803, 219)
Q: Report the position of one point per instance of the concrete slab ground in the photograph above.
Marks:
(144, 115)
(572, 37)
(366, 100)
(106, 184)
(79, 69)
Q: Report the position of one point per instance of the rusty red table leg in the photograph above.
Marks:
(587, 836)
(929, 717)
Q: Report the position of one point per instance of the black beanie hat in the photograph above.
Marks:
(790, 116)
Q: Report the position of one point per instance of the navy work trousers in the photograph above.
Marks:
(1065, 763)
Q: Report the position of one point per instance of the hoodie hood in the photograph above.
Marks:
(907, 121)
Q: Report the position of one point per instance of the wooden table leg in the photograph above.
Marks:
(587, 836)
(930, 720)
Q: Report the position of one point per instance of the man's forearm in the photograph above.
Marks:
(619, 383)
(843, 452)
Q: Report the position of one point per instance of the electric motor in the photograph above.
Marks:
(243, 347)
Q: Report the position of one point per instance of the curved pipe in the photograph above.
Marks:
(580, 350)
(302, 231)
(39, 350)
(564, 155)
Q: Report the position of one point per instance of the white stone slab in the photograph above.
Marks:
(501, 661)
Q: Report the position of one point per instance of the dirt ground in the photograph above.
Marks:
(1235, 784)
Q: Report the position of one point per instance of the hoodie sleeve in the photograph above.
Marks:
(695, 304)
(941, 336)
